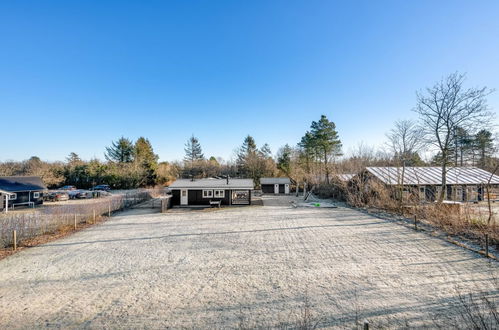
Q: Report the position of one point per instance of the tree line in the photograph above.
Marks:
(454, 120)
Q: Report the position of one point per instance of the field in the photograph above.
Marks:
(241, 267)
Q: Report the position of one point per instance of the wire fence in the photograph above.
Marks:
(48, 220)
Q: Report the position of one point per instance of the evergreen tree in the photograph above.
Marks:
(193, 151)
(265, 151)
(245, 154)
(147, 160)
(73, 159)
(325, 141)
(121, 151)
(214, 161)
(248, 148)
(284, 160)
(463, 146)
(307, 151)
(484, 144)
(193, 158)
(253, 162)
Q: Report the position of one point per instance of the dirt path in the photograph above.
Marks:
(238, 267)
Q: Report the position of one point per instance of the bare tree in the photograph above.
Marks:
(405, 140)
(445, 107)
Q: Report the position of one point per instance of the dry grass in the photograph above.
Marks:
(466, 220)
(62, 218)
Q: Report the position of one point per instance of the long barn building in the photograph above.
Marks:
(462, 184)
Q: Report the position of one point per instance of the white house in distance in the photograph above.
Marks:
(275, 185)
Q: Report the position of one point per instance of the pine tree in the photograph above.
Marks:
(265, 151)
(463, 145)
(193, 157)
(325, 141)
(246, 153)
(284, 160)
(147, 160)
(484, 144)
(193, 151)
(253, 162)
(248, 147)
(73, 159)
(121, 151)
(307, 151)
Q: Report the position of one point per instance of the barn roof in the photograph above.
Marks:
(275, 181)
(212, 184)
(345, 176)
(21, 183)
(432, 175)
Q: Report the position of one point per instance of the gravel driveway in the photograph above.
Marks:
(238, 267)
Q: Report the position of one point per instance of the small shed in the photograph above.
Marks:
(226, 191)
(21, 190)
(275, 185)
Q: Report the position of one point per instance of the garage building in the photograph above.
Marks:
(275, 185)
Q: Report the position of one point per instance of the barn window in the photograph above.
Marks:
(36, 194)
(219, 193)
(207, 193)
(13, 196)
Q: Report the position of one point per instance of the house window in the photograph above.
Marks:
(13, 196)
(207, 193)
(219, 193)
(36, 194)
(240, 197)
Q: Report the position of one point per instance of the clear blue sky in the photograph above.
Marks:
(76, 75)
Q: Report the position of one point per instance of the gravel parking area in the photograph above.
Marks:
(238, 267)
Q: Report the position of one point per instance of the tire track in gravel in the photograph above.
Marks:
(198, 269)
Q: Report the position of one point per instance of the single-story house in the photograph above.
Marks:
(275, 185)
(204, 191)
(21, 190)
(463, 184)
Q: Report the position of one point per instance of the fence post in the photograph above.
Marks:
(486, 245)
(415, 222)
(109, 213)
(14, 240)
(75, 221)
(94, 215)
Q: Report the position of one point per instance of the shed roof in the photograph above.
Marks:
(432, 175)
(213, 184)
(21, 183)
(275, 181)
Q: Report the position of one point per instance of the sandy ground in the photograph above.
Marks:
(238, 267)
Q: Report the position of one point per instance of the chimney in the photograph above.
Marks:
(227, 179)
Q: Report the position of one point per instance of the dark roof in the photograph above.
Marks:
(212, 184)
(21, 183)
(432, 175)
